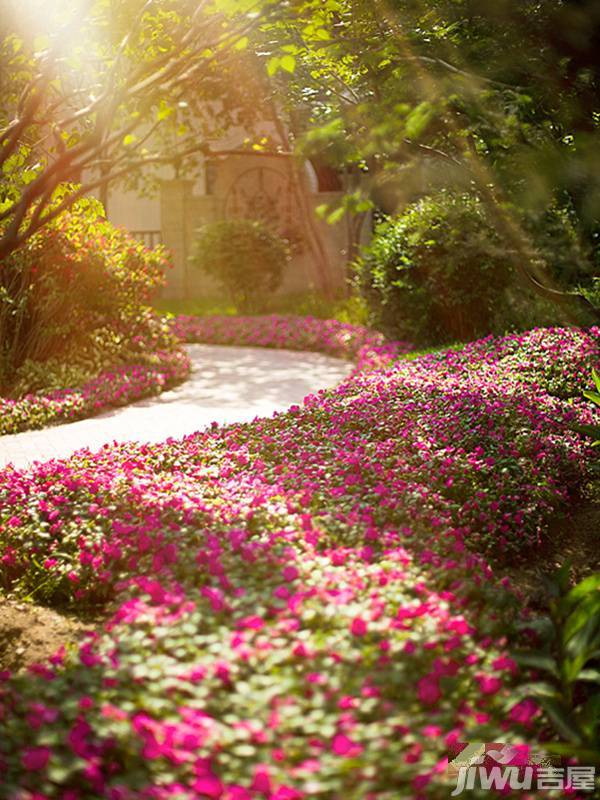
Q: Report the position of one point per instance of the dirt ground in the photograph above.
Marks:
(573, 537)
(30, 634)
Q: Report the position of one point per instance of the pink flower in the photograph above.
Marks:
(358, 626)
(290, 573)
(261, 782)
(35, 758)
(287, 793)
(343, 746)
(459, 625)
(413, 754)
(208, 785)
(254, 623)
(523, 712)
(428, 690)
(488, 684)
(505, 663)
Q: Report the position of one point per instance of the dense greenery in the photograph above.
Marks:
(436, 272)
(74, 300)
(499, 99)
(565, 661)
(77, 333)
(244, 257)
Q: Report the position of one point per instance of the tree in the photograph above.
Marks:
(500, 98)
(108, 95)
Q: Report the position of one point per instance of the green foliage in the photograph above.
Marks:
(499, 97)
(246, 259)
(559, 244)
(566, 661)
(592, 430)
(312, 304)
(592, 292)
(73, 299)
(433, 274)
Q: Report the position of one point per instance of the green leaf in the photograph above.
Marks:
(288, 63)
(571, 667)
(592, 675)
(242, 43)
(273, 65)
(543, 626)
(538, 689)
(561, 719)
(584, 587)
(418, 120)
(593, 396)
(583, 635)
(580, 616)
(590, 715)
(583, 754)
(336, 215)
(540, 661)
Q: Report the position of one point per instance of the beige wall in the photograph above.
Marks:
(243, 186)
(236, 193)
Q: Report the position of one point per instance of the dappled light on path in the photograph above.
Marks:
(228, 384)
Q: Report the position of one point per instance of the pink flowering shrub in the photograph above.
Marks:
(300, 606)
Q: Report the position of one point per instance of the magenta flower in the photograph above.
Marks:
(342, 745)
(35, 758)
(358, 627)
(428, 690)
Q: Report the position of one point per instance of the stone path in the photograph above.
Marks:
(228, 384)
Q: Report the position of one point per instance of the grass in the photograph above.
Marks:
(345, 309)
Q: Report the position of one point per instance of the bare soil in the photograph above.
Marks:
(30, 634)
(573, 537)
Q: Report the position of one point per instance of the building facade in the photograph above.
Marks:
(239, 183)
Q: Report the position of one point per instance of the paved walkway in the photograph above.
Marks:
(228, 384)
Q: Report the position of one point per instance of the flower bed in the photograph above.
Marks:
(126, 384)
(367, 348)
(115, 387)
(302, 608)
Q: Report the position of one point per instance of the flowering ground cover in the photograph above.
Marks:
(114, 387)
(301, 606)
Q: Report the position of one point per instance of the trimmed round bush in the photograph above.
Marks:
(434, 274)
(245, 257)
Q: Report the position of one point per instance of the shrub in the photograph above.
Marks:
(563, 256)
(434, 273)
(245, 257)
(76, 291)
(84, 398)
